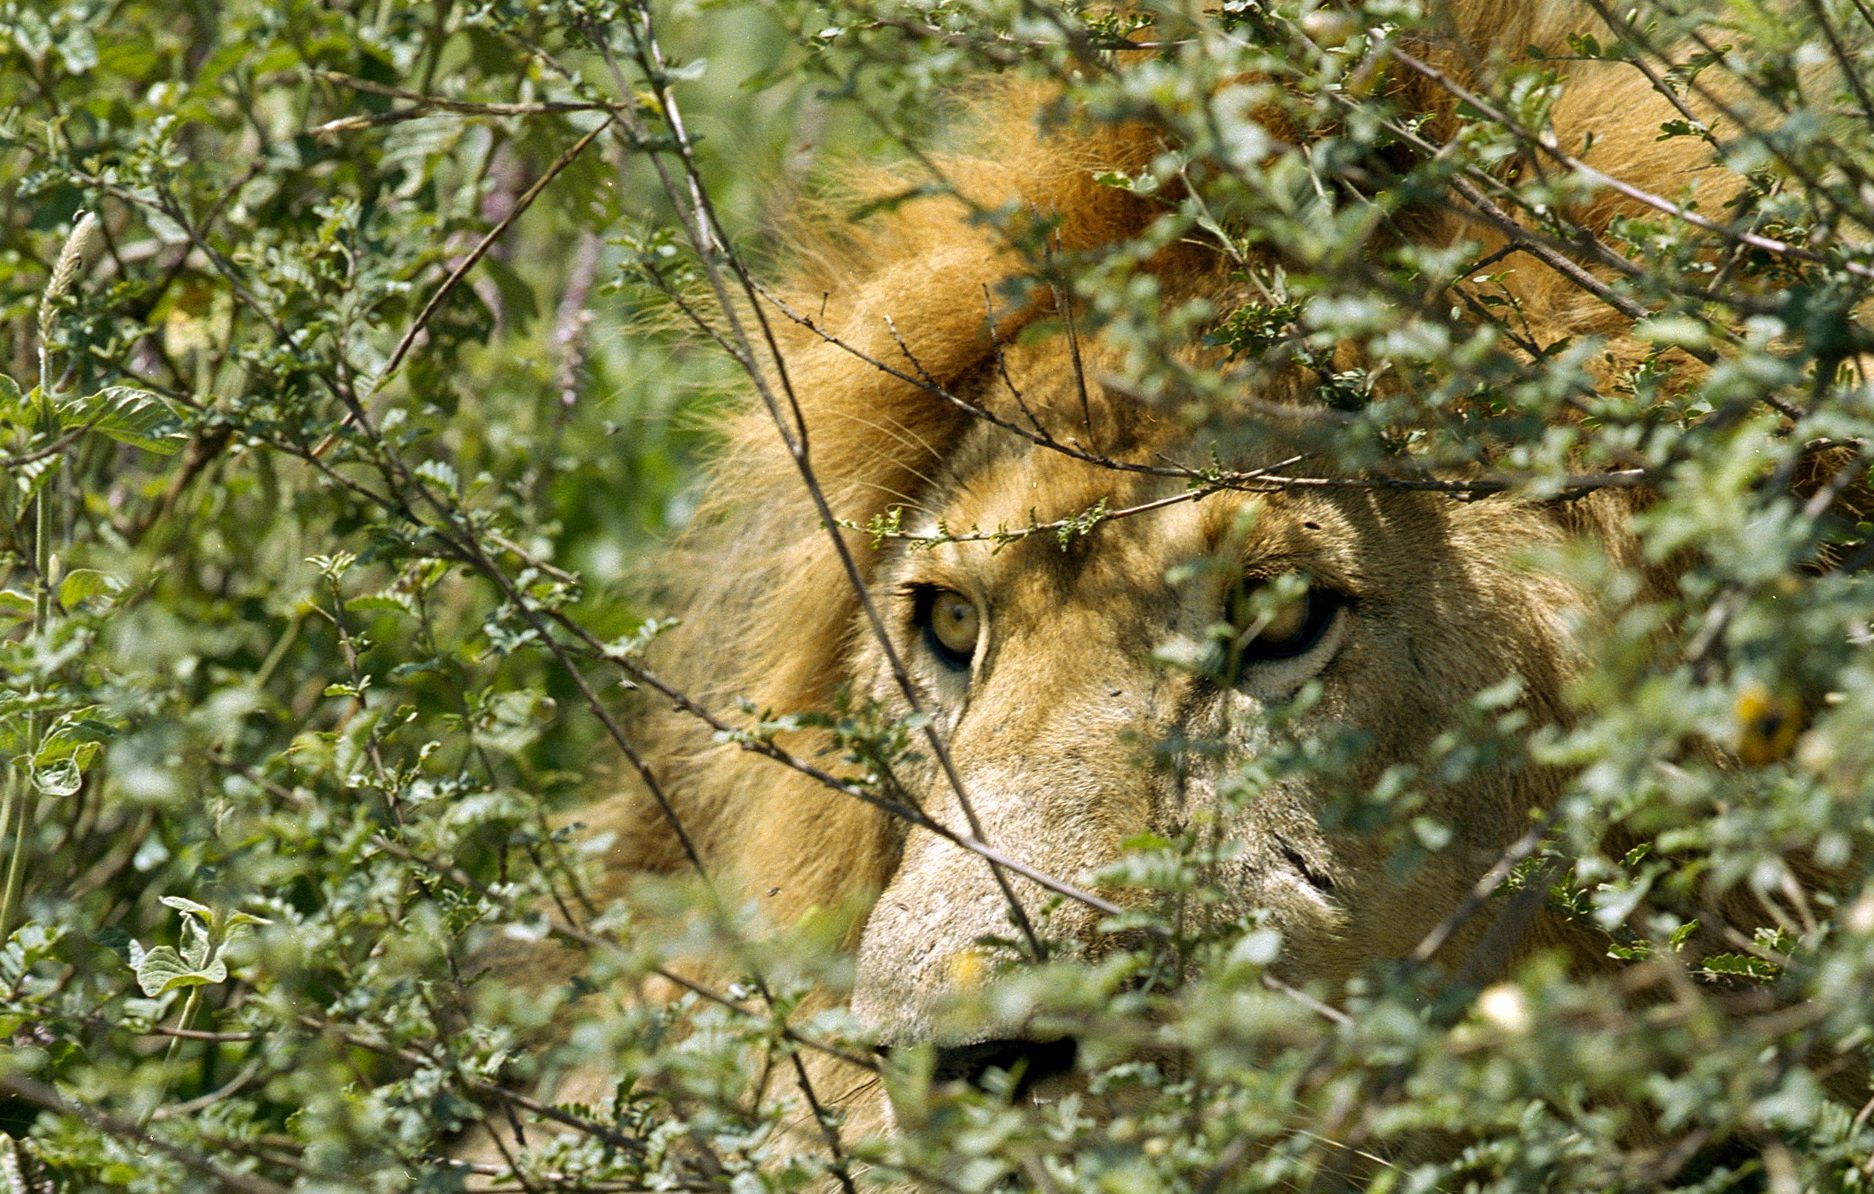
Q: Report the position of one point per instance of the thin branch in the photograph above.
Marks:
(1251, 480)
(1513, 855)
(423, 105)
(52, 449)
(526, 200)
(692, 201)
(604, 941)
(1081, 523)
(47, 1098)
(1548, 146)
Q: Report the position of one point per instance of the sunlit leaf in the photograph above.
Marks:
(129, 416)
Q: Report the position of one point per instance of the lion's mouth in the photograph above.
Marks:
(1028, 1063)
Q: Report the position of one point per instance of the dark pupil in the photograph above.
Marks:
(956, 614)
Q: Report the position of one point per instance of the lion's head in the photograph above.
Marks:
(1089, 689)
(1092, 619)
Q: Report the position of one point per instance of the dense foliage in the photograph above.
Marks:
(351, 380)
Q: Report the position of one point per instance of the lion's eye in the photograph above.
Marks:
(1293, 627)
(951, 623)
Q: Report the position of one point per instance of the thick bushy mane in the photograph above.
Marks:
(919, 295)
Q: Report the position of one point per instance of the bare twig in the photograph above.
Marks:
(566, 158)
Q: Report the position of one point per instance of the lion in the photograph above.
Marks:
(955, 433)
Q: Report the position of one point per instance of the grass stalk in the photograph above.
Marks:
(22, 802)
(169, 1056)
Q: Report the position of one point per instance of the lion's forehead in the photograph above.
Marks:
(1033, 514)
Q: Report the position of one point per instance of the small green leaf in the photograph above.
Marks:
(162, 970)
(116, 940)
(184, 904)
(13, 405)
(387, 600)
(439, 473)
(82, 584)
(33, 476)
(196, 949)
(61, 746)
(1739, 966)
(58, 778)
(129, 416)
(78, 50)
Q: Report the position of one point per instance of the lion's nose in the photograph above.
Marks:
(1029, 1063)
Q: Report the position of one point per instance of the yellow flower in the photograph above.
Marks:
(1767, 724)
(968, 968)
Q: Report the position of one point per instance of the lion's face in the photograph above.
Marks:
(1055, 672)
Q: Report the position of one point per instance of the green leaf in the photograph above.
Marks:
(82, 584)
(185, 904)
(1739, 966)
(440, 473)
(78, 50)
(196, 949)
(13, 403)
(59, 778)
(32, 476)
(129, 416)
(162, 970)
(386, 601)
(113, 938)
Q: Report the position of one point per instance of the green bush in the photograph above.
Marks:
(351, 385)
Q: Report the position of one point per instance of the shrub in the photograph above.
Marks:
(357, 360)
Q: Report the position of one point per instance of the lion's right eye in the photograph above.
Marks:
(951, 625)
(1294, 627)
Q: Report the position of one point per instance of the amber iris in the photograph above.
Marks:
(1286, 623)
(951, 624)
(1294, 627)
